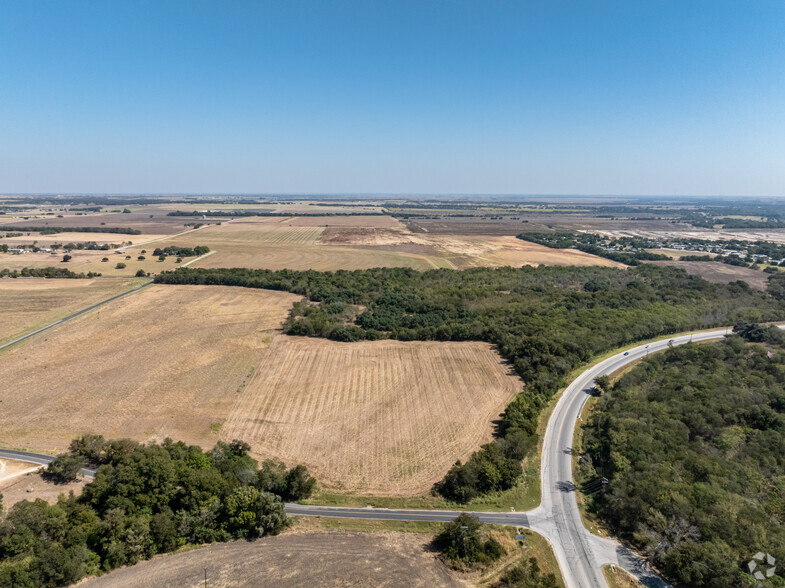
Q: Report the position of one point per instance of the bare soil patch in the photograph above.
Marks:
(382, 418)
(164, 361)
(294, 560)
(33, 486)
(30, 303)
(721, 273)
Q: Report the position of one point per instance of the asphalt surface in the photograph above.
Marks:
(76, 314)
(580, 554)
(38, 458)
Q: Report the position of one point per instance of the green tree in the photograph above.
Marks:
(65, 468)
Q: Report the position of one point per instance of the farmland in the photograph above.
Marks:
(293, 560)
(31, 303)
(161, 362)
(384, 417)
(332, 243)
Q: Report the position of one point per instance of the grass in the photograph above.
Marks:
(618, 578)
(317, 524)
(537, 546)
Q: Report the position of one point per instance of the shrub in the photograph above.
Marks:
(140, 273)
(120, 265)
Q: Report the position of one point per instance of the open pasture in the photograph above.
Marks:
(382, 417)
(27, 304)
(164, 361)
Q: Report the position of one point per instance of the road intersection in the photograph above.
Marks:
(581, 555)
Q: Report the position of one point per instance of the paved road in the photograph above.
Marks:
(76, 314)
(579, 553)
(445, 516)
(38, 458)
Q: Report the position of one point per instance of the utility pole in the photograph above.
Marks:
(205, 577)
(464, 528)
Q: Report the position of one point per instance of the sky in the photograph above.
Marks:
(611, 97)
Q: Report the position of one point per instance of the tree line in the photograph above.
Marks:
(47, 230)
(174, 250)
(145, 499)
(46, 272)
(546, 321)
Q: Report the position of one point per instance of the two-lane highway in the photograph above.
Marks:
(581, 554)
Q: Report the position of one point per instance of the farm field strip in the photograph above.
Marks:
(376, 417)
(27, 304)
(167, 361)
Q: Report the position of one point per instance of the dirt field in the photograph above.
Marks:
(32, 486)
(294, 560)
(287, 243)
(382, 418)
(331, 243)
(27, 304)
(165, 361)
(721, 273)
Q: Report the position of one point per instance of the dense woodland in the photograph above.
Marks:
(144, 500)
(693, 443)
(546, 321)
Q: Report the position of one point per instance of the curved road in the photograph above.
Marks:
(580, 554)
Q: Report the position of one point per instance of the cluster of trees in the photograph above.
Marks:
(145, 499)
(464, 542)
(47, 230)
(45, 272)
(546, 321)
(181, 251)
(591, 243)
(693, 443)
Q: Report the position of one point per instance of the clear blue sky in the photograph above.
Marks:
(423, 96)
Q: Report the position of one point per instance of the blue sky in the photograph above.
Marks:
(552, 97)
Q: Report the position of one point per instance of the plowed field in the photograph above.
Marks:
(164, 361)
(383, 417)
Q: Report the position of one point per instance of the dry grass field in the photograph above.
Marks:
(288, 243)
(721, 273)
(382, 418)
(355, 242)
(294, 560)
(27, 304)
(32, 486)
(164, 361)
